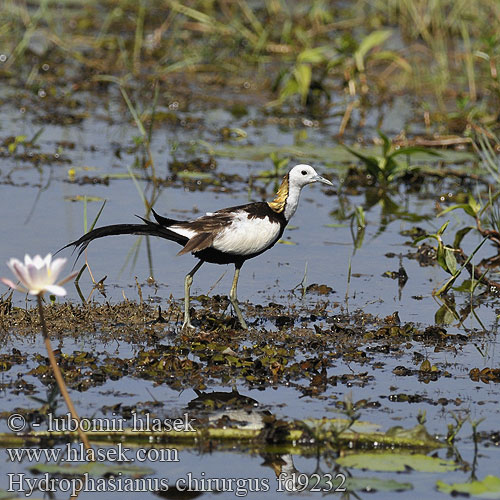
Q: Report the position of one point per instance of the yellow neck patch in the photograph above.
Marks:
(278, 204)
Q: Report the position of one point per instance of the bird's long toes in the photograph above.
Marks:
(187, 325)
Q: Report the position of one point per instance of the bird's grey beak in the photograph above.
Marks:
(318, 178)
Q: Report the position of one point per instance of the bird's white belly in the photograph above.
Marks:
(247, 236)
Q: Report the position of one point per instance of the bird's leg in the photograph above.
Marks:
(234, 299)
(187, 287)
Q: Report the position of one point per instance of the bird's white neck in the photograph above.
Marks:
(292, 201)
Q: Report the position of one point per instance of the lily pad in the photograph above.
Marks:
(396, 462)
(339, 424)
(260, 152)
(489, 487)
(188, 175)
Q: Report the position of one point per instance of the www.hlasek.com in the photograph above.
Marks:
(78, 453)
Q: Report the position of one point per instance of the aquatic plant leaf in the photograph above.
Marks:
(314, 56)
(290, 88)
(279, 164)
(418, 239)
(410, 150)
(386, 143)
(368, 159)
(20, 139)
(451, 280)
(360, 216)
(117, 175)
(474, 205)
(394, 57)
(385, 167)
(375, 38)
(459, 236)
(442, 228)
(187, 174)
(195, 14)
(372, 163)
(451, 261)
(465, 206)
(425, 366)
(489, 487)
(445, 315)
(303, 75)
(416, 434)
(330, 155)
(441, 257)
(396, 462)
(339, 424)
(372, 484)
(395, 170)
(466, 286)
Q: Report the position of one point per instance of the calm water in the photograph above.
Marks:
(37, 218)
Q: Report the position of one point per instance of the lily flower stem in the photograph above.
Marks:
(59, 378)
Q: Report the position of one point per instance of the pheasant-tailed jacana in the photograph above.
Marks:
(228, 236)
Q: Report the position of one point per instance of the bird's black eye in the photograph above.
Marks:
(304, 172)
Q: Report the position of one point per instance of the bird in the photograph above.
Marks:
(228, 236)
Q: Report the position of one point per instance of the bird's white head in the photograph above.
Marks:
(301, 175)
(287, 197)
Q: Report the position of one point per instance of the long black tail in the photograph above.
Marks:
(148, 228)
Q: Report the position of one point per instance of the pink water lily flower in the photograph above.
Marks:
(38, 275)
